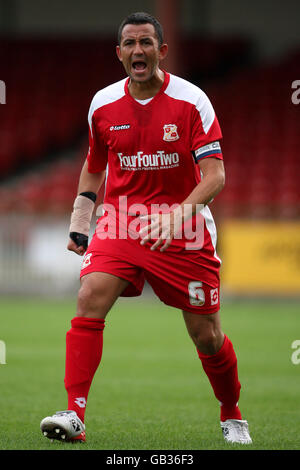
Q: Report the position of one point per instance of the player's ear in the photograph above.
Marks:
(163, 51)
(118, 51)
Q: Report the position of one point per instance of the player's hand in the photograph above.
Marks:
(78, 243)
(162, 228)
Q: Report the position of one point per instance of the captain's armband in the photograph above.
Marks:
(214, 148)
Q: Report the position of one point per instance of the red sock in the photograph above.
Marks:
(221, 370)
(84, 343)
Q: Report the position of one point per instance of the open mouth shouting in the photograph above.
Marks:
(139, 67)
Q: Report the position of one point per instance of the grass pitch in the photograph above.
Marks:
(150, 391)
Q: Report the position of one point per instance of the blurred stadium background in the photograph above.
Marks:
(245, 55)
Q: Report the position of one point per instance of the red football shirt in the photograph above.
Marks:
(151, 151)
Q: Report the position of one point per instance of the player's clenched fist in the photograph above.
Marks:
(77, 243)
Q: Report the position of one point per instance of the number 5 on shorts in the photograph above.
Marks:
(196, 293)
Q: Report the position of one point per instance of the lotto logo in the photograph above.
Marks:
(81, 402)
(86, 260)
(214, 296)
(121, 127)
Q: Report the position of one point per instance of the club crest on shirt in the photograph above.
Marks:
(170, 132)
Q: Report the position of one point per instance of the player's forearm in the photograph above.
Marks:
(88, 187)
(211, 184)
(205, 191)
(90, 182)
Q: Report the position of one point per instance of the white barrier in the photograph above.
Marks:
(34, 258)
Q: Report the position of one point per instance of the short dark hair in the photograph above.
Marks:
(141, 17)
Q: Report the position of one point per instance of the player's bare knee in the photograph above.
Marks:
(207, 342)
(90, 301)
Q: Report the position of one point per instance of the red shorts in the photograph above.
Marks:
(177, 276)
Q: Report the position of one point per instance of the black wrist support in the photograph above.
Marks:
(90, 195)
